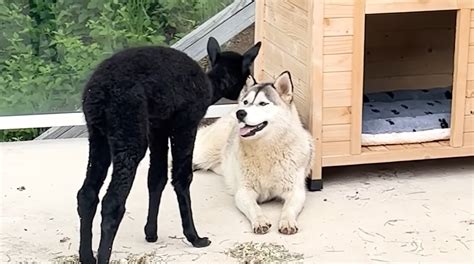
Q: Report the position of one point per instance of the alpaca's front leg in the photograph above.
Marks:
(246, 201)
(294, 202)
(182, 145)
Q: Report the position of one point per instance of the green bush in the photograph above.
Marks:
(49, 47)
(20, 134)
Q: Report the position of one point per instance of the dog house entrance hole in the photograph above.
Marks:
(408, 77)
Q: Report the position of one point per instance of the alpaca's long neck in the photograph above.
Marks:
(220, 81)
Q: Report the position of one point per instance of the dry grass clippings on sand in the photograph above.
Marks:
(130, 259)
(74, 259)
(254, 253)
(247, 252)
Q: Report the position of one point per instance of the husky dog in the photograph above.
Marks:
(263, 152)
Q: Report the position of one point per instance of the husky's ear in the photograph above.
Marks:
(250, 81)
(213, 50)
(249, 56)
(284, 86)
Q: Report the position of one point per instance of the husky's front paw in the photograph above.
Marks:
(288, 227)
(261, 226)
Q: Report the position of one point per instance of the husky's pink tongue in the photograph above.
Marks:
(245, 130)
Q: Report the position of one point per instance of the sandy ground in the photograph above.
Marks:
(400, 212)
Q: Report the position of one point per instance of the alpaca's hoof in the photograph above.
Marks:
(89, 259)
(201, 242)
(151, 233)
(152, 238)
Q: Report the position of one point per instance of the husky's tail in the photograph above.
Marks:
(209, 144)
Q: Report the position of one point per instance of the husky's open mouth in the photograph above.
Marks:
(248, 130)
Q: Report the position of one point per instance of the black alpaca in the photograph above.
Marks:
(139, 98)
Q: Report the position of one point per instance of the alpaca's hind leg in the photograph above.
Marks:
(87, 197)
(125, 159)
(157, 176)
(127, 135)
(182, 144)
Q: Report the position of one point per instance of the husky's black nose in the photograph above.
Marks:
(241, 114)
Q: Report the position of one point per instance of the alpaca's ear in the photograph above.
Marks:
(249, 56)
(284, 86)
(213, 50)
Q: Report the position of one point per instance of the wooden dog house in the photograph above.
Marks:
(337, 48)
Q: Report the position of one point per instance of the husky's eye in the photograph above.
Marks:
(246, 102)
(263, 103)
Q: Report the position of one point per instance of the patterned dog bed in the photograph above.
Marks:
(406, 116)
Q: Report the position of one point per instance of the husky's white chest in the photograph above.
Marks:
(267, 173)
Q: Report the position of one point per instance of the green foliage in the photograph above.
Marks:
(20, 134)
(49, 47)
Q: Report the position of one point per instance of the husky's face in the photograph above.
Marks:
(263, 105)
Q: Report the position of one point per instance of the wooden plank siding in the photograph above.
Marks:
(337, 98)
(460, 77)
(339, 9)
(469, 123)
(393, 6)
(470, 89)
(334, 133)
(294, 45)
(336, 115)
(284, 28)
(337, 80)
(337, 45)
(357, 77)
(469, 104)
(259, 36)
(469, 99)
(403, 153)
(337, 63)
(337, 76)
(338, 26)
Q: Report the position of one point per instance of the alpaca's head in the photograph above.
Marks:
(229, 70)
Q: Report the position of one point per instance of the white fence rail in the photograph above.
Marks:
(77, 119)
